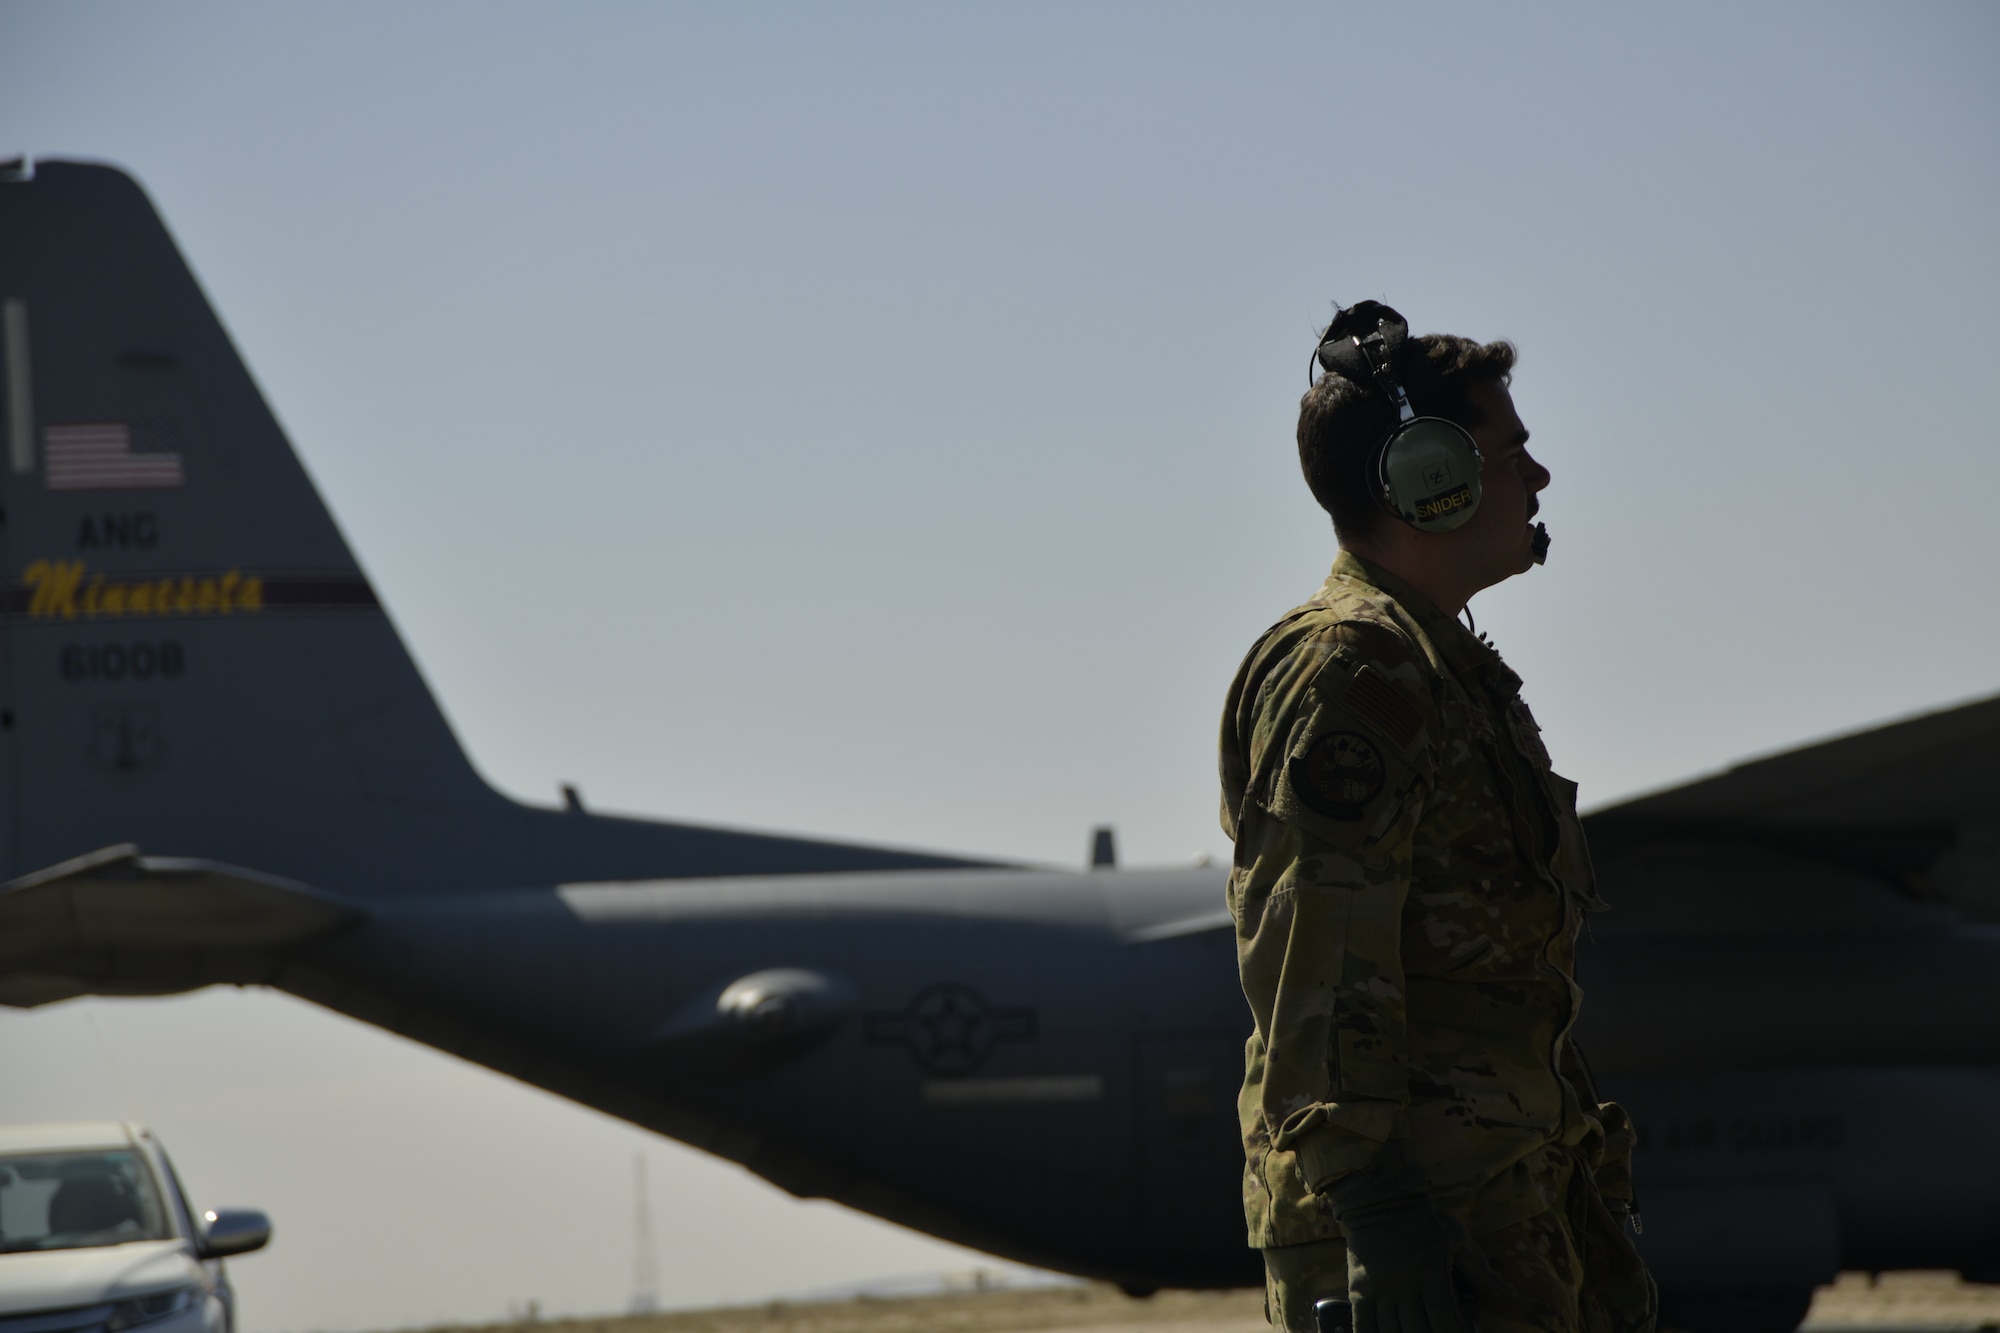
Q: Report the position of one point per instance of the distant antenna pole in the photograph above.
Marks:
(1103, 848)
(645, 1264)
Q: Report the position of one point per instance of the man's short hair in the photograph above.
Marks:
(1342, 423)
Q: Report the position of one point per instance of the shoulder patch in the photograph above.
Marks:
(1339, 774)
(1374, 701)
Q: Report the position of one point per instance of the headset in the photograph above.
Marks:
(1426, 469)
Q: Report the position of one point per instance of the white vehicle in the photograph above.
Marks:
(96, 1236)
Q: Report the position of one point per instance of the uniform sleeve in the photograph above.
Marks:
(1323, 868)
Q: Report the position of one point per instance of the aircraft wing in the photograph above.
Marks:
(1914, 805)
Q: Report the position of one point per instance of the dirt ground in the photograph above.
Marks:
(1930, 1302)
(1081, 1309)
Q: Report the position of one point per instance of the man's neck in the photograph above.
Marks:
(1423, 566)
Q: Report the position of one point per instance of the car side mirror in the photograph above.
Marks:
(227, 1231)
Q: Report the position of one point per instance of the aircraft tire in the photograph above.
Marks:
(1779, 1311)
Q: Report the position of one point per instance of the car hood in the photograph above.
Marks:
(58, 1279)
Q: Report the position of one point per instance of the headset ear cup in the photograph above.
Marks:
(1429, 473)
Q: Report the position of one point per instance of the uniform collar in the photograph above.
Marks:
(1469, 657)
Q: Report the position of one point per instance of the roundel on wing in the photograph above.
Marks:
(1339, 774)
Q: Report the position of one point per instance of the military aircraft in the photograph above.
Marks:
(221, 766)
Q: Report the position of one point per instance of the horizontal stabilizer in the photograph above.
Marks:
(117, 922)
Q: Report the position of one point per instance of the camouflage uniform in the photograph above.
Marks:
(1409, 881)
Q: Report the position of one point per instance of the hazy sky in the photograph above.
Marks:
(876, 421)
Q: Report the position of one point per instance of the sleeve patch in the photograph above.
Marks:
(1339, 774)
(1375, 702)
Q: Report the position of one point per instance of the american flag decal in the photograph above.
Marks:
(97, 456)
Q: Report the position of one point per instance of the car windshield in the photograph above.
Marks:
(71, 1200)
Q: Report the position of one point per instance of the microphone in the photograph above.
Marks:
(1541, 543)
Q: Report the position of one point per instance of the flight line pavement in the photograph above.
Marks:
(1892, 1303)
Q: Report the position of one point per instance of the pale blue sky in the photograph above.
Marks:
(875, 420)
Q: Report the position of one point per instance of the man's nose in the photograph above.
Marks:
(1533, 474)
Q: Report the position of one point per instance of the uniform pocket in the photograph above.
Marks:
(1572, 852)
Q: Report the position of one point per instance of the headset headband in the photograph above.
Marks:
(1361, 344)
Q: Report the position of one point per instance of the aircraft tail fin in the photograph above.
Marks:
(194, 663)
(194, 655)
